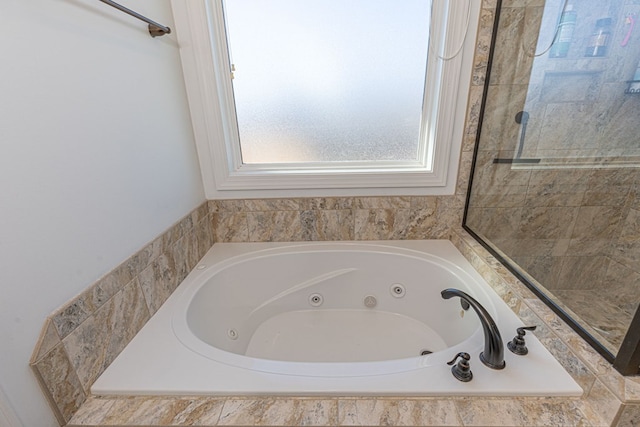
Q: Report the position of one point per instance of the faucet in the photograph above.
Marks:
(493, 354)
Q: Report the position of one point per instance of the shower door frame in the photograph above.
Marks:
(627, 359)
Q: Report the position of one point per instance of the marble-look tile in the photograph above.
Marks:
(547, 222)
(92, 412)
(483, 46)
(507, 196)
(47, 340)
(397, 412)
(476, 94)
(462, 183)
(449, 211)
(603, 402)
(216, 206)
(392, 202)
(58, 377)
(279, 412)
(604, 318)
(199, 213)
(326, 203)
(509, 60)
(154, 411)
(495, 223)
(582, 272)
(98, 340)
(175, 233)
(613, 195)
(631, 388)
(570, 362)
(158, 281)
(585, 352)
(380, 224)
(627, 247)
(598, 222)
(556, 195)
(73, 314)
(274, 226)
(520, 412)
(253, 205)
(423, 224)
(230, 226)
(630, 416)
(323, 225)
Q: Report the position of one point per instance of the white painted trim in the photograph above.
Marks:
(211, 103)
(8, 418)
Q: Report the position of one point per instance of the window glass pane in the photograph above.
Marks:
(328, 80)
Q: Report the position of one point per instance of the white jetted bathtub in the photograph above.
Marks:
(328, 318)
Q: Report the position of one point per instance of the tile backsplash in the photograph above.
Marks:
(81, 339)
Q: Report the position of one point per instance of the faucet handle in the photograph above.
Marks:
(461, 370)
(517, 345)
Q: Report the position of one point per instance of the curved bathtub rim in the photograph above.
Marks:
(186, 337)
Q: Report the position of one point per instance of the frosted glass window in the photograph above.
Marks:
(328, 80)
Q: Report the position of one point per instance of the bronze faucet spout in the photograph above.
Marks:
(493, 354)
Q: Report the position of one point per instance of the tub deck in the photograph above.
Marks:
(157, 363)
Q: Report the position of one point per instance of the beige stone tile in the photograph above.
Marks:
(598, 222)
(68, 318)
(199, 213)
(473, 110)
(274, 226)
(630, 415)
(158, 281)
(266, 205)
(520, 412)
(391, 202)
(570, 362)
(58, 377)
(146, 255)
(397, 412)
(162, 411)
(380, 224)
(632, 389)
(279, 412)
(547, 222)
(326, 203)
(96, 343)
(483, 46)
(227, 206)
(48, 340)
(323, 225)
(92, 412)
(230, 226)
(603, 402)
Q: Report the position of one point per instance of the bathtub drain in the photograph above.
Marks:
(370, 301)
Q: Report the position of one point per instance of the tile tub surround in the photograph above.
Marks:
(609, 398)
(81, 339)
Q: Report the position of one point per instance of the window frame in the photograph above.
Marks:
(206, 68)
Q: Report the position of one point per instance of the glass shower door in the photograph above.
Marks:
(554, 188)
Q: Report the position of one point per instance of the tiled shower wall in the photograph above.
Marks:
(573, 228)
(82, 338)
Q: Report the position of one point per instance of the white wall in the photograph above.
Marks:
(96, 159)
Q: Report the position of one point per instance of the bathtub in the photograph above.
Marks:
(328, 318)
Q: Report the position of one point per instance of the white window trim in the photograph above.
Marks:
(210, 98)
